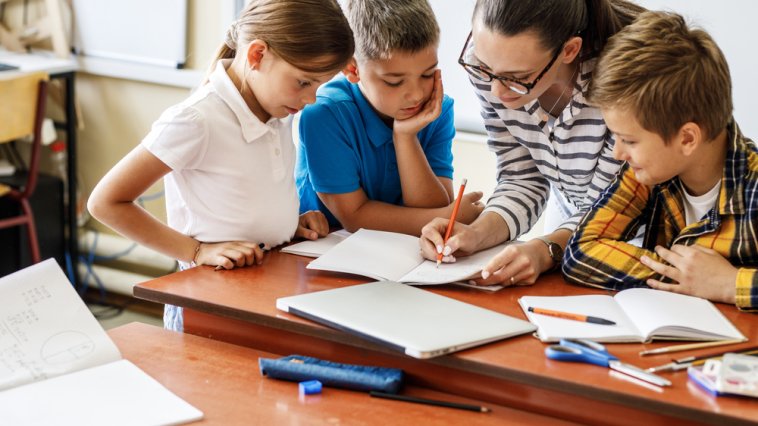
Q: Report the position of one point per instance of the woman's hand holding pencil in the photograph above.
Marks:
(436, 234)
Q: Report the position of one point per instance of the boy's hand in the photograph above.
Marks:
(471, 207)
(697, 271)
(229, 254)
(312, 225)
(429, 112)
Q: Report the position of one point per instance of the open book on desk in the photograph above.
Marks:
(392, 256)
(58, 366)
(316, 248)
(640, 314)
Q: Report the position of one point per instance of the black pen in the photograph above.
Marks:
(418, 400)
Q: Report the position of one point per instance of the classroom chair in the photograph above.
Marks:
(22, 109)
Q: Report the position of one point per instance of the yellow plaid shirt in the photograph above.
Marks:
(597, 254)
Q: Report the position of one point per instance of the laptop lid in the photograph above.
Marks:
(417, 322)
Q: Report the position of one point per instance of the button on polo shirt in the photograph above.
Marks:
(345, 145)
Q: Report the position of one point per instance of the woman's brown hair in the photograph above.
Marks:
(555, 21)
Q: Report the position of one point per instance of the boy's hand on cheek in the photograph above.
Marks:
(429, 112)
(699, 271)
(312, 225)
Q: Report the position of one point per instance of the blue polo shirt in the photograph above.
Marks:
(345, 145)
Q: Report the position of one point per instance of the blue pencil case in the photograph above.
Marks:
(300, 368)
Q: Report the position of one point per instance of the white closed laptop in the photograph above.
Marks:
(418, 322)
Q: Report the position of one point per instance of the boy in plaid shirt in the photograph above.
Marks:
(690, 177)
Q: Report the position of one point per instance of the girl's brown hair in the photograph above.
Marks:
(312, 35)
(555, 21)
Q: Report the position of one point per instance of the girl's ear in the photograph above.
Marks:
(351, 71)
(571, 49)
(255, 52)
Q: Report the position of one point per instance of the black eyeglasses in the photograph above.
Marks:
(520, 87)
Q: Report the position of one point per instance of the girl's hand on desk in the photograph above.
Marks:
(312, 225)
(229, 254)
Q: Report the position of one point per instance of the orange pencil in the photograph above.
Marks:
(452, 218)
(571, 316)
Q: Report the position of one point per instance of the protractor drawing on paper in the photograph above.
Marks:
(66, 346)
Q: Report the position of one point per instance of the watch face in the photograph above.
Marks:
(556, 252)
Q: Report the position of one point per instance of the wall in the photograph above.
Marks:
(118, 113)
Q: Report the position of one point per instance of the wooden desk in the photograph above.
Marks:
(223, 381)
(59, 69)
(239, 306)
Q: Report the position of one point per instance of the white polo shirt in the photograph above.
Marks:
(232, 175)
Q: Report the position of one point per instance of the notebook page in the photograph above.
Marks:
(45, 328)
(552, 329)
(375, 254)
(316, 248)
(114, 394)
(463, 269)
(657, 312)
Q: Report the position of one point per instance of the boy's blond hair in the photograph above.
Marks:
(666, 74)
(383, 26)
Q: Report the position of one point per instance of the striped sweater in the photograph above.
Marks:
(576, 157)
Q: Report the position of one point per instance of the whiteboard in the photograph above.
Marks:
(146, 31)
(729, 22)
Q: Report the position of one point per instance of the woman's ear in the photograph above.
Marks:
(255, 52)
(571, 49)
(351, 71)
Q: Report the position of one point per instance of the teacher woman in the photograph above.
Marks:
(531, 62)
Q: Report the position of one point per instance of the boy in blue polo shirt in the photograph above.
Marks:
(375, 148)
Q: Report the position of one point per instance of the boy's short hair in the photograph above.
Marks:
(666, 74)
(383, 26)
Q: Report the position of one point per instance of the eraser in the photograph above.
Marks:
(310, 387)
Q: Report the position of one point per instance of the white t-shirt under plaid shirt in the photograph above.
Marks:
(575, 156)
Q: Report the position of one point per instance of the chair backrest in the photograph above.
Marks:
(22, 109)
(22, 105)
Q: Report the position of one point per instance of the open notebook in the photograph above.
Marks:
(640, 314)
(58, 366)
(395, 257)
(315, 248)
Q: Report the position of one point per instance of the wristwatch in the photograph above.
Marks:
(555, 250)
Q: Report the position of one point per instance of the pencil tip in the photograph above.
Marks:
(438, 263)
(485, 409)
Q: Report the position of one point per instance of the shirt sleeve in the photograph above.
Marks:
(521, 191)
(437, 141)
(604, 172)
(331, 159)
(597, 253)
(179, 138)
(747, 289)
